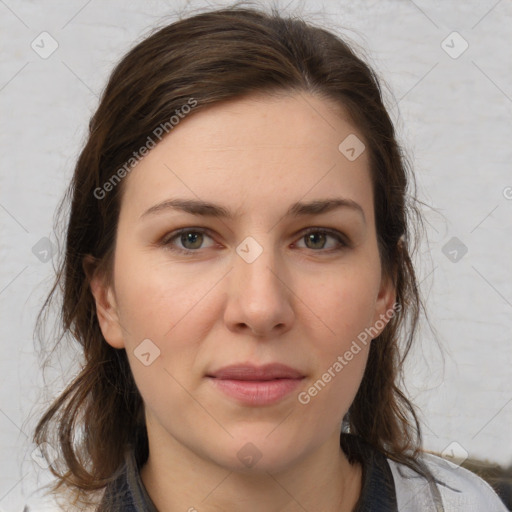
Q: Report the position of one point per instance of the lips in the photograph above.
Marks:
(257, 373)
(256, 385)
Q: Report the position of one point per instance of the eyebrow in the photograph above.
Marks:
(206, 209)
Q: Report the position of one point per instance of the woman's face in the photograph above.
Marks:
(245, 284)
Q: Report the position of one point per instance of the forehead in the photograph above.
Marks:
(255, 152)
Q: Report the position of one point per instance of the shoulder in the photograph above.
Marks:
(38, 504)
(41, 500)
(456, 488)
(50, 505)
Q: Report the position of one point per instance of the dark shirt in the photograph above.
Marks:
(127, 493)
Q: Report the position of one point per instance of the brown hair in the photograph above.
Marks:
(216, 56)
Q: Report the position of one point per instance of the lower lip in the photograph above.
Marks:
(263, 392)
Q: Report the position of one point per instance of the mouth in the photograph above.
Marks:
(256, 385)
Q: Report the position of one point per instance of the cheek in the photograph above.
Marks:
(173, 309)
(344, 305)
(155, 299)
(329, 393)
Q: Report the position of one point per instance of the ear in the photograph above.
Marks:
(106, 306)
(384, 306)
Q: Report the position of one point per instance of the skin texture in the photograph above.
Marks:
(300, 302)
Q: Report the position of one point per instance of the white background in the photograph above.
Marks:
(453, 115)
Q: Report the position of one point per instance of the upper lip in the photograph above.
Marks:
(251, 372)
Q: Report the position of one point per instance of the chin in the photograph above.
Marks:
(258, 452)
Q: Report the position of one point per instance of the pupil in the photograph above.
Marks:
(311, 237)
(191, 237)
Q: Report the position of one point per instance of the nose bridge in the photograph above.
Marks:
(256, 268)
(259, 297)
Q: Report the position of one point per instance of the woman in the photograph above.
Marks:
(238, 276)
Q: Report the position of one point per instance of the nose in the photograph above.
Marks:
(260, 298)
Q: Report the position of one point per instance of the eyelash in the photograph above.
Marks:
(166, 241)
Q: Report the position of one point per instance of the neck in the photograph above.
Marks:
(179, 480)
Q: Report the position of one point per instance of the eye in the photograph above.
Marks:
(191, 239)
(316, 239)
